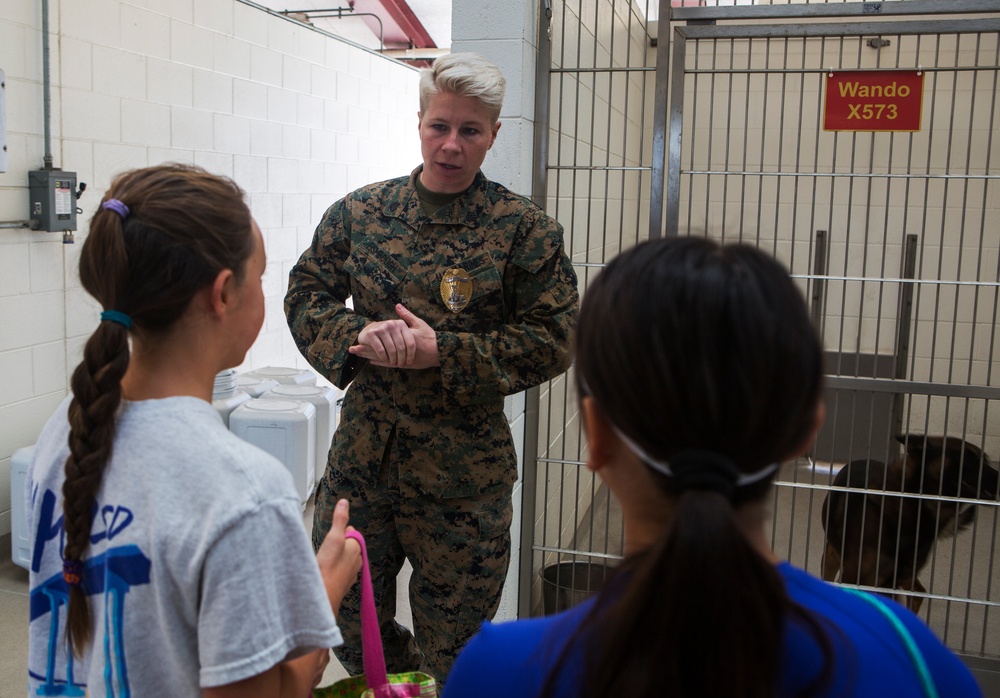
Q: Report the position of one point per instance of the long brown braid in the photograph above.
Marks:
(162, 234)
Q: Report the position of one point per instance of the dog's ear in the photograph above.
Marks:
(912, 443)
(923, 463)
(934, 446)
(916, 444)
(906, 440)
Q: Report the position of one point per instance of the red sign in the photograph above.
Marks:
(873, 100)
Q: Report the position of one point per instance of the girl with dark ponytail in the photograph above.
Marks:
(179, 565)
(698, 373)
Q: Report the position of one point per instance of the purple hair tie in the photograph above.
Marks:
(116, 206)
(73, 572)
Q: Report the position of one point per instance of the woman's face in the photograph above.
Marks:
(455, 135)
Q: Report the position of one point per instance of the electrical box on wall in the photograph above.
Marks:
(53, 199)
(3, 122)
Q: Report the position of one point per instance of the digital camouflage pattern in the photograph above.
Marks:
(460, 549)
(439, 433)
(379, 246)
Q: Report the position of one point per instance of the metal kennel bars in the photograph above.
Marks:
(714, 120)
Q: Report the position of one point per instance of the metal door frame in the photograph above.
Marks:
(667, 132)
(702, 21)
(668, 206)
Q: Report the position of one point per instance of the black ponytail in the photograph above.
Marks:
(704, 354)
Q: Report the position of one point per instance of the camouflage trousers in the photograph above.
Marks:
(459, 549)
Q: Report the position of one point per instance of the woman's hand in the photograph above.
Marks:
(405, 343)
(339, 557)
(386, 343)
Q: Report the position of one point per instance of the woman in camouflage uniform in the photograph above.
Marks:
(462, 294)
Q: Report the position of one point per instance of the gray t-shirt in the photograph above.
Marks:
(199, 572)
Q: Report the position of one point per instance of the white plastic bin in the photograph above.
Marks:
(226, 405)
(285, 376)
(287, 430)
(324, 399)
(225, 395)
(254, 385)
(225, 383)
(20, 540)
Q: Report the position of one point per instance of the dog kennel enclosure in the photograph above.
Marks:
(731, 120)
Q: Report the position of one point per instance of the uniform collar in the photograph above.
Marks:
(469, 210)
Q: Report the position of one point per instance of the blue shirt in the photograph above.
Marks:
(514, 659)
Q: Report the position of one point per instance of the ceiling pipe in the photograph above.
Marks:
(339, 14)
(404, 16)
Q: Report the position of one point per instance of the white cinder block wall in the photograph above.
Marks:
(504, 32)
(296, 117)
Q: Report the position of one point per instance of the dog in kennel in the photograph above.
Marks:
(883, 540)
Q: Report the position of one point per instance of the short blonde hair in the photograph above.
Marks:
(465, 75)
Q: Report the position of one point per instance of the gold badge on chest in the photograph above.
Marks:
(456, 289)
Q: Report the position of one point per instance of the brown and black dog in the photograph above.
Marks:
(883, 540)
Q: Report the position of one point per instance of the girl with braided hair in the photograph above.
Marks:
(698, 372)
(170, 558)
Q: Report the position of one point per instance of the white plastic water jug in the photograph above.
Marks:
(254, 385)
(285, 376)
(324, 399)
(226, 405)
(225, 395)
(287, 430)
(20, 540)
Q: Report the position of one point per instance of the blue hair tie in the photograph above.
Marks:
(116, 206)
(116, 316)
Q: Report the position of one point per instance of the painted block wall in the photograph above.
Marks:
(504, 32)
(297, 118)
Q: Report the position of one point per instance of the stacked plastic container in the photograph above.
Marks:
(254, 386)
(20, 541)
(287, 430)
(284, 375)
(283, 425)
(324, 399)
(295, 424)
(226, 396)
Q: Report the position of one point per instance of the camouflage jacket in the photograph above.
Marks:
(377, 245)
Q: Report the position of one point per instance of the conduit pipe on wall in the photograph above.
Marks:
(46, 114)
(46, 87)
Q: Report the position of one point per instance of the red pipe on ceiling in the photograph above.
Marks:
(400, 26)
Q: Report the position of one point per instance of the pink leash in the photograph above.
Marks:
(371, 639)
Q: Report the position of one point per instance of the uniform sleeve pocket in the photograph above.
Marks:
(373, 268)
